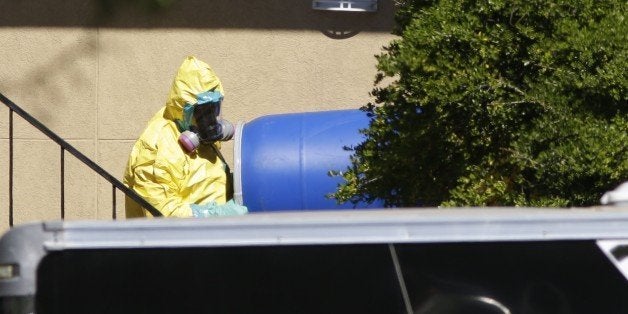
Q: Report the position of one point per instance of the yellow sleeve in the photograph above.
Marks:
(153, 176)
(156, 185)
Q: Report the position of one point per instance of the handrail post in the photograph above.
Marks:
(10, 167)
(113, 200)
(62, 184)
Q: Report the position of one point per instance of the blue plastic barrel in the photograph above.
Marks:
(282, 162)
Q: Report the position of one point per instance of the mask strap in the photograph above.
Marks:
(209, 97)
(188, 112)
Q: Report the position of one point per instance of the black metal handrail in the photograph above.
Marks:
(65, 146)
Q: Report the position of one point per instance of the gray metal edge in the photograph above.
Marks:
(347, 227)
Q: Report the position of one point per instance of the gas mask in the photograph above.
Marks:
(208, 126)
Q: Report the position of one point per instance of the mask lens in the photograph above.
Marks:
(206, 121)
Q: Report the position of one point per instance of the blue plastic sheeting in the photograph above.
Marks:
(286, 159)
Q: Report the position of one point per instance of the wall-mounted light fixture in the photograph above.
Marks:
(345, 5)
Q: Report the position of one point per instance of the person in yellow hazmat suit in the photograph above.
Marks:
(176, 164)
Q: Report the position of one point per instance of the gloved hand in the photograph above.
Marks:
(212, 209)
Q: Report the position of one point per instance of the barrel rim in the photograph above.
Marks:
(237, 163)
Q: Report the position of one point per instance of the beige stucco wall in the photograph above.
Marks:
(96, 78)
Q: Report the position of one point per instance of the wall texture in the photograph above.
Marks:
(95, 71)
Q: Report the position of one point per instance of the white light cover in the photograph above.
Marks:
(345, 5)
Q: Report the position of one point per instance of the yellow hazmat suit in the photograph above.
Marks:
(159, 170)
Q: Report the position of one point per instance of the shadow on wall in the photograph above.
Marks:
(213, 14)
(40, 85)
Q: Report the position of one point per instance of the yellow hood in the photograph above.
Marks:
(194, 77)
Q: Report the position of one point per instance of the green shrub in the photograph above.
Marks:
(514, 103)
